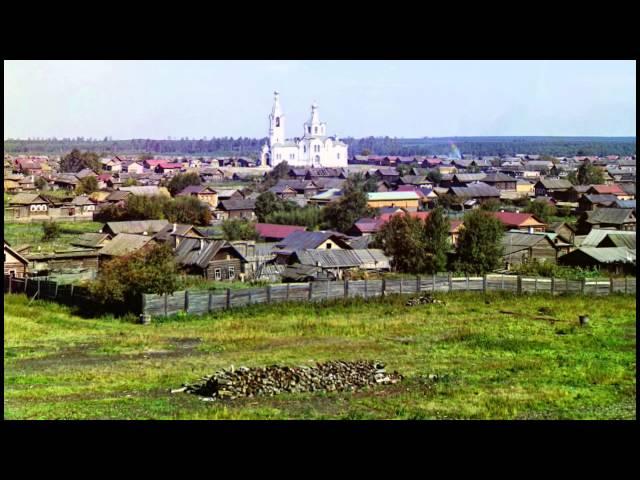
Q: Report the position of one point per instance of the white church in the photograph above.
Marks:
(315, 149)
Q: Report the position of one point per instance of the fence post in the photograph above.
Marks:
(502, 278)
(328, 295)
(10, 282)
(310, 290)
(584, 285)
(186, 300)
(553, 286)
(484, 283)
(384, 287)
(400, 286)
(418, 284)
(450, 283)
(71, 294)
(144, 304)
(165, 304)
(26, 280)
(249, 299)
(365, 288)
(519, 282)
(210, 301)
(625, 284)
(433, 282)
(535, 285)
(228, 298)
(467, 283)
(287, 299)
(346, 289)
(268, 293)
(610, 285)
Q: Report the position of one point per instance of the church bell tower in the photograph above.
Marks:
(276, 122)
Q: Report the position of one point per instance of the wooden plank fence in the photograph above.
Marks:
(200, 302)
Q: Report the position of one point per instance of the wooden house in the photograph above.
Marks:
(15, 265)
(607, 218)
(520, 221)
(29, 205)
(212, 259)
(409, 200)
(520, 247)
(203, 193)
(174, 233)
(557, 189)
(614, 260)
(238, 208)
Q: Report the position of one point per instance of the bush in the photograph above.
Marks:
(479, 248)
(239, 229)
(50, 230)
(181, 181)
(542, 210)
(122, 280)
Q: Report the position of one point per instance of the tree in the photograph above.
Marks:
(130, 182)
(41, 183)
(123, 280)
(402, 238)
(239, 229)
(145, 156)
(76, 161)
(88, 184)
(448, 200)
(50, 230)
(436, 240)
(365, 152)
(181, 181)
(589, 175)
(435, 176)
(541, 209)
(279, 172)
(341, 214)
(490, 205)
(267, 203)
(479, 247)
(188, 210)
(141, 207)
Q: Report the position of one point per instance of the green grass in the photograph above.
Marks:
(31, 233)
(491, 364)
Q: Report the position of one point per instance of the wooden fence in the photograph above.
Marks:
(38, 288)
(200, 302)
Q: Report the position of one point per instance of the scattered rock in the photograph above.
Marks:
(275, 379)
(422, 300)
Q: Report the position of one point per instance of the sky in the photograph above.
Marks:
(196, 99)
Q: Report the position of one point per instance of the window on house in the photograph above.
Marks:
(232, 273)
(328, 246)
(217, 274)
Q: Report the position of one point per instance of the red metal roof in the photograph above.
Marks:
(272, 230)
(515, 219)
(612, 189)
(169, 165)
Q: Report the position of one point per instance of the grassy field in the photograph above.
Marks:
(497, 357)
(31, 234)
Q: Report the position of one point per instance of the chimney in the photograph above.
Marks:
(175, 225)
(201, 244)
(517, 210)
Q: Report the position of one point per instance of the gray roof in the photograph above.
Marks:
(605, 198)
(199, 252)
(606, 255)
(515, 241)
(82, 200)
(625, 204)
(27, 199)
(238, 204)
(469, 177)
(124, 244)
(614, 216)
(498, 177)
(343, 258)
(180, 229)
(91, 240)
(136, 226)
(307, 240)
(476, 190)
(618, 237)
(555, 184)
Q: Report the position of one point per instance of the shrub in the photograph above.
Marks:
(239, 229)
(50, 230)
(479, 245)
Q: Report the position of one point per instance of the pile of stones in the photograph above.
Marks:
(422, 300)
(268, 381)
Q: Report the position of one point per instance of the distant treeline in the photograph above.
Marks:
(249, 147)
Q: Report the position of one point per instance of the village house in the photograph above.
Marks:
(203, 193)
(211, 259)
(168, 168)
(609, 190)
(563, 230)
(613, 260)
(174, 233)
(609, 238)
(27, 184)
(15, 265)
(237, 208)
(500, 181)
(326, 197)
(336, 262)
(211, 175)
(520, 221)
(146, 191)
(28, 205)
(521, 247)
(135, 168)
(123, 244)
(554, 188)
(111, 164)
(607, 218)
(301, 240)
(474, 194)
(283, 191)
(408, 200)
(82, 205)
(590, 202)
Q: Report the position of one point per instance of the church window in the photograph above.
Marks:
(305, 149)
(338, 156)
(309, 129)
(277, 121)
(316, 130)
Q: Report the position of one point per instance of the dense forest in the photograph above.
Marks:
(249, 147)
